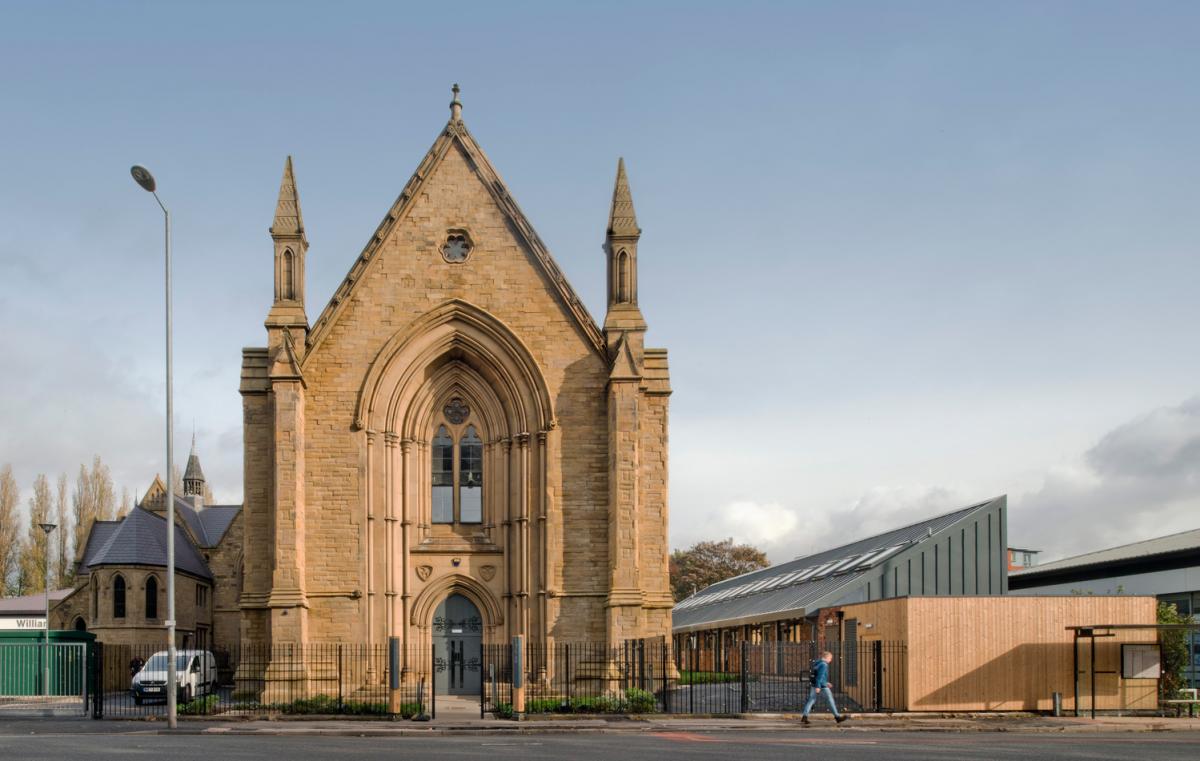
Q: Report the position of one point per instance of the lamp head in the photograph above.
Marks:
(142, 176)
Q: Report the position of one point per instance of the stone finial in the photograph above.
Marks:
(288, 219)
(622, 220)
(455, 105)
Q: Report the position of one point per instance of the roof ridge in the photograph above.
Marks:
(454, 131)
(969, 508)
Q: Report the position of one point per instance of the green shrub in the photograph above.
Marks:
(199, 706)
(409, 710)
(639, 701)
(319, 704)
(363, 708)
(504, 711)
(547, 705)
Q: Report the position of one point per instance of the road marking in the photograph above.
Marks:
(691, 737)
(702, 738)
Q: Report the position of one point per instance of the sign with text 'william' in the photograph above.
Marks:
(22, 624)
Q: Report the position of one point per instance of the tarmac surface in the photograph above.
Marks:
(658, 744)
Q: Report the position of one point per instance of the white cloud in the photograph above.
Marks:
(1140, 480)
(763, 525)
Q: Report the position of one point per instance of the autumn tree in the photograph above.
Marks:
(10, 529)
(35, 550)
(706, 563)
(64, 555)
(93, 499)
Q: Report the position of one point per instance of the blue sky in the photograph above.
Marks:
(904, 256)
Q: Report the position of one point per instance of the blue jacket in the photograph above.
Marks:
(820, 672)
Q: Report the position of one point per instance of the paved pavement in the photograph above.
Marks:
(657, 745)
(467, 723)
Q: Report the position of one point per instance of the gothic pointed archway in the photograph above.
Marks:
(461, 471)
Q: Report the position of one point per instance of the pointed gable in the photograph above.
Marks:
(456, 137)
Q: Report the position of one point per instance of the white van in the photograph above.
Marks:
(195, 675)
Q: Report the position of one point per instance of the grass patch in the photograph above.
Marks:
(707, 677)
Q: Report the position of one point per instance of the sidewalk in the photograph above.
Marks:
(1022, 723)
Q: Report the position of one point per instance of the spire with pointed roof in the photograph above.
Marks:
(193, 476)
(623, 324)
(622, 220)
(288, 219)
(291, 247)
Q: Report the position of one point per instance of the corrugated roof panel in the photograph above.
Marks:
(1185, 540)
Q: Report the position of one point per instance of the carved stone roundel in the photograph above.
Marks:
(456, 411)
(423, 571)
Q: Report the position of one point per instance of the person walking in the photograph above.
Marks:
(819, 682)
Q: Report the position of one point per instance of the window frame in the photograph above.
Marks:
(151, 601)
(457, 433)
(119, 596)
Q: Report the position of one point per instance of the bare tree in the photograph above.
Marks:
(64, 566)
(10, 530)
(35, 550)
(126, 503)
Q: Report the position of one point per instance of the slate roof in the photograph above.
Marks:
(1181, 542)
(806, 583)
(208, 524)
(140, 538)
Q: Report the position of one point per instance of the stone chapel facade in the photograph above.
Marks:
(454, 423)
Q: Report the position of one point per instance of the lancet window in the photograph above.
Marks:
(457, 467)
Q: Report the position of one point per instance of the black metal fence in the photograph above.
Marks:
(773, 677)
(649, 675)
(253, 680)
(637, 676)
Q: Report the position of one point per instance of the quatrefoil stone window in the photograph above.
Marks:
(457, 247)
(456, 411)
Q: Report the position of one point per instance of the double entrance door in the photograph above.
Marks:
(457, 647)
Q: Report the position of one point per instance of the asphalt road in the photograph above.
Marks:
(663, 746)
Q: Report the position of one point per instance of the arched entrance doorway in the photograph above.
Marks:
(457, 646)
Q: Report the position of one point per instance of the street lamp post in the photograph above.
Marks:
(143, 178)
(47, 527)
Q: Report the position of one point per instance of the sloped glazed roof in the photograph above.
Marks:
(807, 583)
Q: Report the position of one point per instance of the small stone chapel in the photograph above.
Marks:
(454, 446)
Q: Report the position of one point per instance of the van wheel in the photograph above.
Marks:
(186, 694)
(137, 700)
